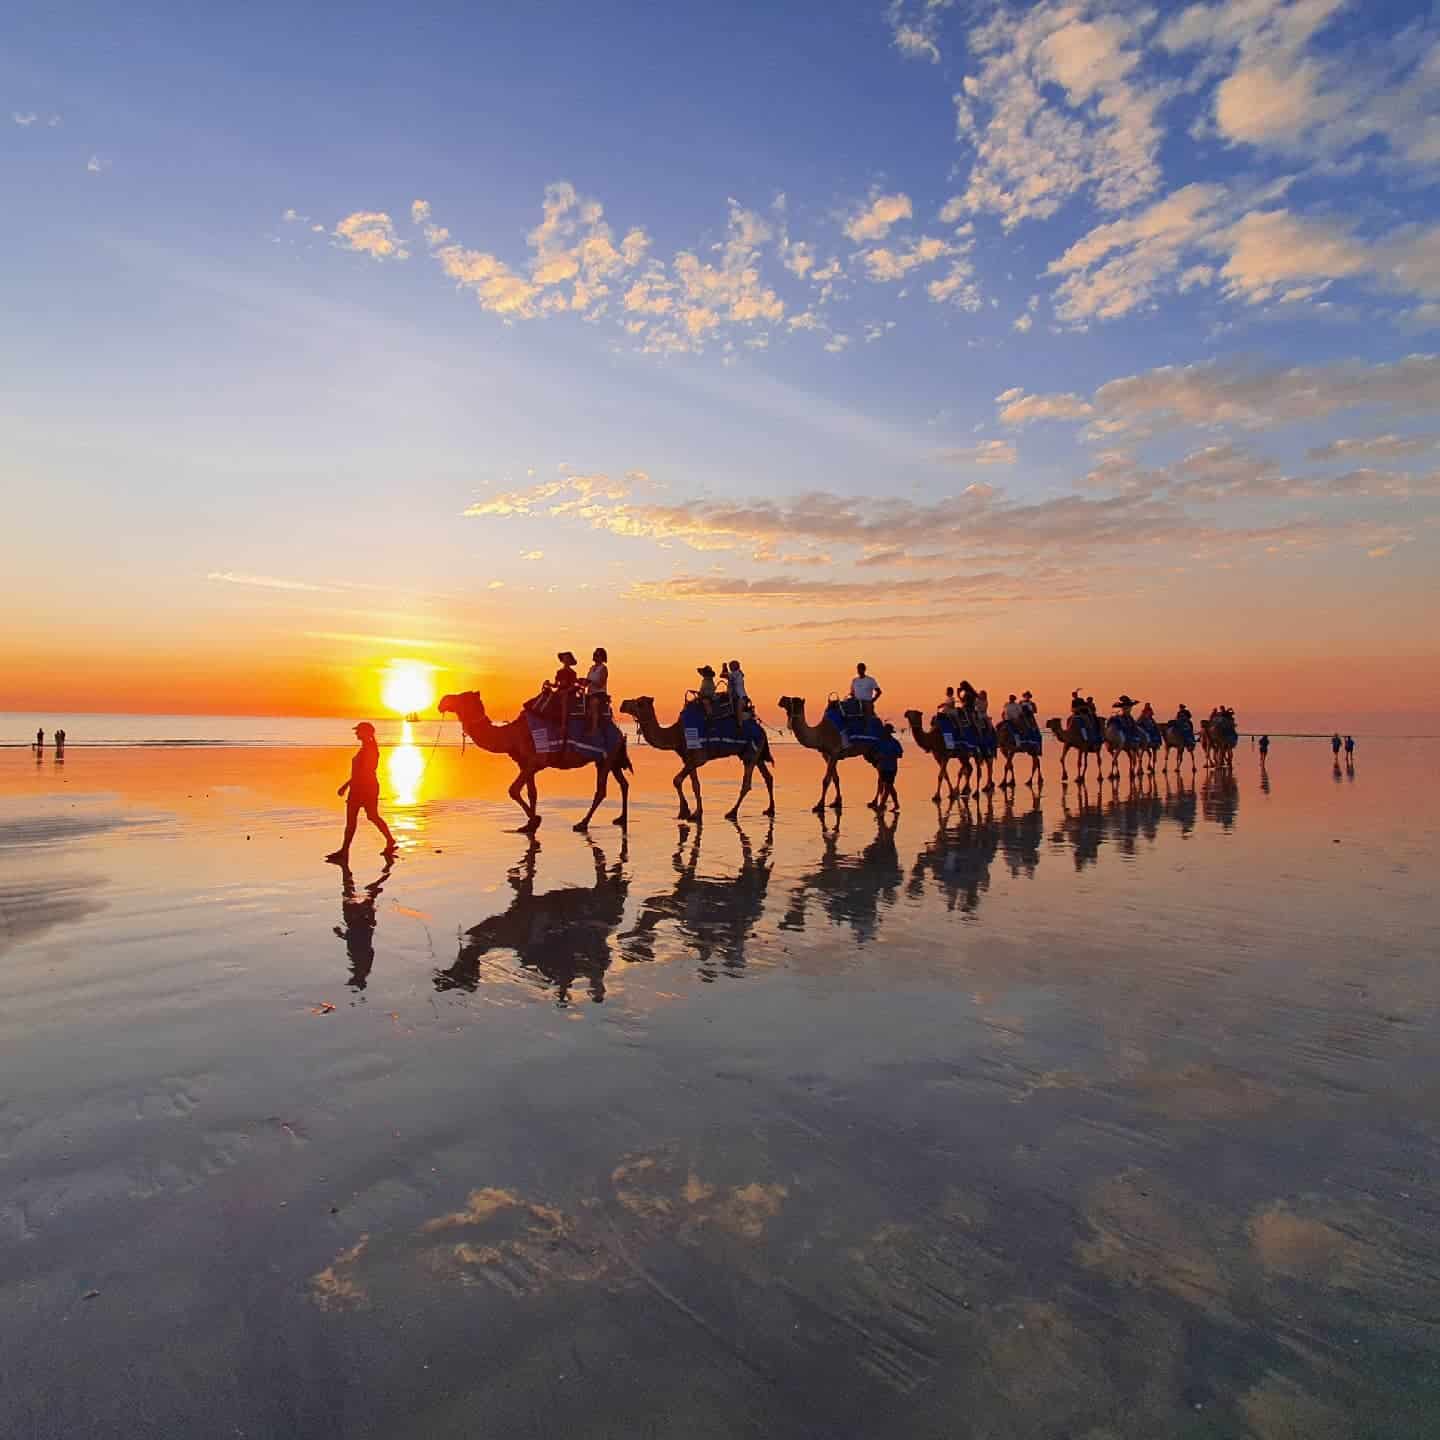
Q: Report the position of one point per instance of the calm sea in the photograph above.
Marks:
(19, 727)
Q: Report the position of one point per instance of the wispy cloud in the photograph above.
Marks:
(96, 166)
(875, 220)
(270, 582)
(987, 452)
(370, 232)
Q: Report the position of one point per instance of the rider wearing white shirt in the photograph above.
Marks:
(865, 689)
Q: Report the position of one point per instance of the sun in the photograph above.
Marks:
(407, 686)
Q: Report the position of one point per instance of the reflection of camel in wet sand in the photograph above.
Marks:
(1220, 798)
(560, 935)
(932, 741)
(957, 861)
(357, 910)
(823, 737)
(1069, 735)
(851, 889)
(1021, 836)
(672, 738)
(713, 916)
(516, 741)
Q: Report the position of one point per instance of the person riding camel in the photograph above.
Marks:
(735, 684)
(706, 693)
(1127, 721)
(562, 688)
(1032, 713)
(947, 705)
(866, 689)
(597, 689)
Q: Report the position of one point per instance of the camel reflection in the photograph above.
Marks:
(713, 916)
(558, 936)
(1220, 798)
(957, 861)
(1118, 815)
(851, 889)
(357, 930)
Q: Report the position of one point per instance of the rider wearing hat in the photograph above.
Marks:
(562, 688)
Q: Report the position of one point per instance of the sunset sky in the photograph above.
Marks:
(1041, 345)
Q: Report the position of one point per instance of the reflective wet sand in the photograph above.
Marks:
(1111, 1114)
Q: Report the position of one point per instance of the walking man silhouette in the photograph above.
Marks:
(364, 794)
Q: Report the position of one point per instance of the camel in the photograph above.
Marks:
(1175, 739)
(1009, 745)
(672, 738)
(1218, 744)
(932, 741)
(515, 741)
(1117, 742)
(1070, 738)
(823, 737)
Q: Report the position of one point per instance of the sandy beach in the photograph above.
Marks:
(1108, 1114)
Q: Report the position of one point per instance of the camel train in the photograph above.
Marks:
(577, 738)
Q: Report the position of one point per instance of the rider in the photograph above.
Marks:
(706, 693)
(1147, 721)
(1027, 704)
(563, 687)
(1127, 721)
(597, 688)
(735, 683)
(947, 705)
(866, 689)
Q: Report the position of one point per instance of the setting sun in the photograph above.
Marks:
(407, 686)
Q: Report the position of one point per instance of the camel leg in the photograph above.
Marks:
(623, 818)
(698, 813)
(600, 787)
(837, 802)
(745, 783)
(942, 777)
(679, 783)
(523, 781)
(1036, 777)
(765, 775)
(989, 774)
(819, 806)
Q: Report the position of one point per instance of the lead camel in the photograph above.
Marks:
(514, 739)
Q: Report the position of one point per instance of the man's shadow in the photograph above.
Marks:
(559, 936)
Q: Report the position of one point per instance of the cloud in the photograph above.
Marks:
(532, 554)
(1255, 398)
(372, 233)
(96, 166)
(569, 495)
(883, 264)
(1274, 252)
(987, 452)
(1018, 408)
(1056, 109)
(24, 118)
(915, 26)
(875, 220)
(1375, 447)
(270, 582)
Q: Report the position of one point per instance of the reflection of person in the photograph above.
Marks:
(364, 793)
(357, 910)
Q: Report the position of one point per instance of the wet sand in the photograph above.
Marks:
(1113, 1115)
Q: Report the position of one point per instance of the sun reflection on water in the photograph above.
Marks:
(405, 770)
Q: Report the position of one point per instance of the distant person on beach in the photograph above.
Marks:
(39, 739)
(865, 688)
(364, 793)
(1349, 747)
(1335, 745)
(59, 744)
(1264, 747)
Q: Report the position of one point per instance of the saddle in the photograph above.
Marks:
(849, 718)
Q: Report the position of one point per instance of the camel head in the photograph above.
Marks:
(467, 702)
(1055, 725)
(639, 706)
(792, 704)
(916, 719)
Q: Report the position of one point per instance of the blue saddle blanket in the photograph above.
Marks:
(1129, 727)
(1027, 741)
(858, 729)
(549, 739)
(1186, 728)
(724, 734)
(1149, 730)
(1088, 725)
(962, 736)
(1224, 729)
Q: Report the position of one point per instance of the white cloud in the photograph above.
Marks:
(874, 221)
(915, 27)
(24, 118)
(987, 452)
(1375, 447)
(1273, 250)
(269, 582)
(885, 264)
(1017, 408)
(372, 233)
(95, 165)
(1034, 150)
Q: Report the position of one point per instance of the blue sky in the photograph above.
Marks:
(811, 309)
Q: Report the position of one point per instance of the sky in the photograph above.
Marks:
(1041, 345)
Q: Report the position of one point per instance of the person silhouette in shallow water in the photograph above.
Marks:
(363, 789)
(357, 910)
